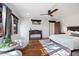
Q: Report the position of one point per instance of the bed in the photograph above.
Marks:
(69, 41)
(66, 40)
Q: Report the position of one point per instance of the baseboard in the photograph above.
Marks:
(45, 37)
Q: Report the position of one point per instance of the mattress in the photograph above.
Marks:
(70, 42)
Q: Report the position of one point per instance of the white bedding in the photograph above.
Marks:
(70, 42)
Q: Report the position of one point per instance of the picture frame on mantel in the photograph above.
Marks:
(36, 22)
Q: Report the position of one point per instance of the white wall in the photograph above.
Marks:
(25, 24)
(23, 27)
(70, 21)
(68, 14)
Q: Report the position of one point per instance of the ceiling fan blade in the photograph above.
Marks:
(54, 10)
(43, 14)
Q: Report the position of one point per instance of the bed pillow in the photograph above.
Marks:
(69, 32)
(75, 34)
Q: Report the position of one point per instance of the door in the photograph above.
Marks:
(51, 28)
(57, 28)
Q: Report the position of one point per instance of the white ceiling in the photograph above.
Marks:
(30, 9)
(33, 10)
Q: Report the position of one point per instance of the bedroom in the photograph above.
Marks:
(67, 14)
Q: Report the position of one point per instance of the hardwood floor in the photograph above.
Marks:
(34, 48)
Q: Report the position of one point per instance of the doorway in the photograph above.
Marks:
(51, 27)
(54, 27)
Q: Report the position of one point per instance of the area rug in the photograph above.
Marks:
(34, 48)
(53, 49)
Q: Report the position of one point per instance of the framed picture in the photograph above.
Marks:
(36, 22)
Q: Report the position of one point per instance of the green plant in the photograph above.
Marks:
(5, 43)
(6, 40)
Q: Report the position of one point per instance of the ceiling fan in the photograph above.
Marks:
(50, 12)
